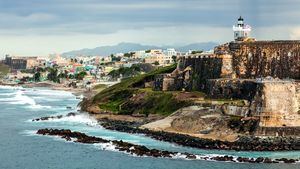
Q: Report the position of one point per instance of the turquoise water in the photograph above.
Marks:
(21, 148)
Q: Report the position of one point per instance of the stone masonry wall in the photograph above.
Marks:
(231, 88)
(278, 104)
(203, 69)
(266, 58)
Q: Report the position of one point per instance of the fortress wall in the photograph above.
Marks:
(203, 69)
(278, 131)
(278, 104)
(265, 58)
(231, 88)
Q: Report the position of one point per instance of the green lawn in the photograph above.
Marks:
(4, 69)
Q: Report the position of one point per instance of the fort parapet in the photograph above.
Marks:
(256, 59)
(265, 73)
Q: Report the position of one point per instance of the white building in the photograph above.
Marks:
(241, 31)
(157, 56)
(139, 54)
(170, 52)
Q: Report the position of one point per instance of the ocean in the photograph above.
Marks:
(21, 148)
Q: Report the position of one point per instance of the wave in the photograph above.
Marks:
(11, 87)
(7, 94)
(22, 99)
(45, 92)
(80, 118)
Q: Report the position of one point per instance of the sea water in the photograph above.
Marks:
(21, 148)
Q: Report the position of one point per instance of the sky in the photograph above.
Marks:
(41, 27)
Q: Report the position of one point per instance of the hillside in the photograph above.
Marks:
(3, 70)
(129, 97)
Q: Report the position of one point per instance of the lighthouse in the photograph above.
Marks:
(241, 30)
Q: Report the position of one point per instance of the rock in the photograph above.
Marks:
(54, 117)
(285, 160)
(71, 114)
(259, 160)
(245, 143)
(141, 150)
(222, 158)
(268, 160)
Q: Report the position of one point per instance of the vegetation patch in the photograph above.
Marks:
(130, 97)
(4, 69)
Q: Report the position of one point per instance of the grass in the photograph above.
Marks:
(130, 97)
(161, 103)
(132, 82)
(100, 87)
(117, 98)
(4, 69)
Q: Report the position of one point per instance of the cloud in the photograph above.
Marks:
(295, 33)
(97, 22)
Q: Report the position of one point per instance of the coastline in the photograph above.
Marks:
(55, 86)
(132, 125)
(179, 139)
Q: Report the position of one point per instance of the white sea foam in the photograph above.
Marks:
(11, 87)
(29, 132)
(22, 99)
(45, 92)
(7, 94)
(80, 118)
(106, 146)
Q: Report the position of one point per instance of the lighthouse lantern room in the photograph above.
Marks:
(241, 31)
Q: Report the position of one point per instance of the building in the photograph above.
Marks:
(139, 54)
(170, 52)
(157, 56)
(265, 74)
(21, 62)
(241, 31)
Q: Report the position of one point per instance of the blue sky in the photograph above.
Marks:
(40, 27)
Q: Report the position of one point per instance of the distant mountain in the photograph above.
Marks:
(197, 46)
(127, 47)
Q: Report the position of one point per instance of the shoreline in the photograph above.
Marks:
(54, 86)
(133, 127)
(242, 144)
(143, 151)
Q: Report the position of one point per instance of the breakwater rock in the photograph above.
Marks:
(244, 143)
(54, 117)
(141, 150)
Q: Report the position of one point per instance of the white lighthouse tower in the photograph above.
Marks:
(241, 31)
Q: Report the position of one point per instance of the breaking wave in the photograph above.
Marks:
(22, 99)
(80, 118)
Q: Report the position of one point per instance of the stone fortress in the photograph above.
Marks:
(265, 73)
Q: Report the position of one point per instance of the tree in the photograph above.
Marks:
(52, 75)
(80, 75)
(126, 55)
(156, 63)
(174, 58)
(114, 58)
(197, 51)
(37, 76)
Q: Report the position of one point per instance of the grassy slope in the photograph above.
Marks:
(4, 69)
(118, 98)
(127, 97)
